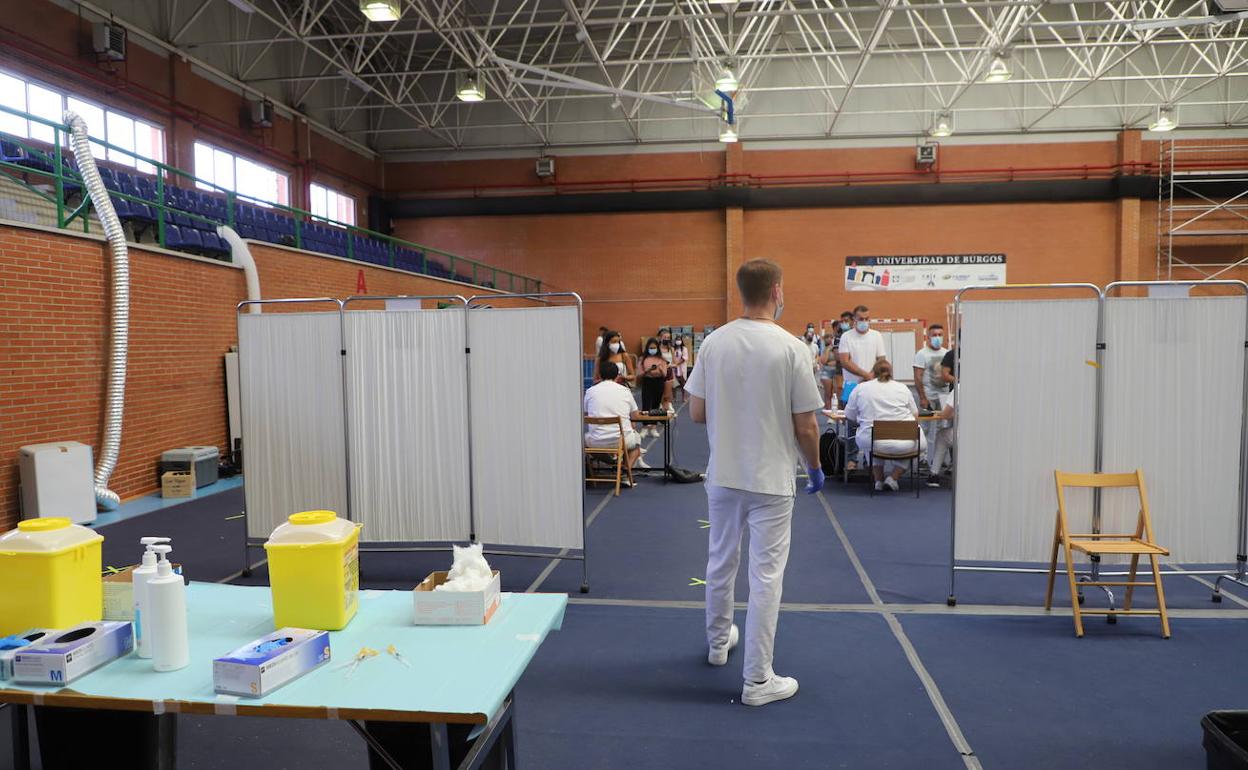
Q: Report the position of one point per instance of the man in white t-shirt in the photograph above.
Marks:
(754, 390)
(928, 380)
(611, 399)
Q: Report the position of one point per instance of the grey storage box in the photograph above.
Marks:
(202, 459)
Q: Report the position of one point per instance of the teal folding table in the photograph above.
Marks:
(457, 674)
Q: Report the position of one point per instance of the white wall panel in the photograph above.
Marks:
(1026, 407)
(290, 378)
(407, 397)
(526, 426)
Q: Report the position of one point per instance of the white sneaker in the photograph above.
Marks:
(892, 484)
(670, 411)
(774, 689)
(718, 656)
(641, 463)
(879, 486)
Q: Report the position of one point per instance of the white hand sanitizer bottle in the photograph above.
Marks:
(166, 596)
(138, 581)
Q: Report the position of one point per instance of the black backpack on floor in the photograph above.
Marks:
(831, 454)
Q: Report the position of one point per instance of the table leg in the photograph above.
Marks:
(667, 450)
(439, 747)
(20, 721)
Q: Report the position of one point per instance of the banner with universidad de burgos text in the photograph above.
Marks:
(924, 272)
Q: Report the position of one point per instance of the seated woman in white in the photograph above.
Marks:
(883, 398)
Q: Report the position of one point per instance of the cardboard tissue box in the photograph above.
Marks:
(63, 657)
(177, 484)
(454, 608)
(119, 592)
(261, 666)
(29, 637)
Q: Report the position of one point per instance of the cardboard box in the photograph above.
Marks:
(63, 657)
(261, 666)
(31, 636)
(119, 593)
(454, 608)
(177, 484)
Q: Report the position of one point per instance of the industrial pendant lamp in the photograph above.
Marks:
(471, 90)
(943, 125)
(381, 10)
(998, 71)
(728, 134)
(727, 81)
(1167, 120)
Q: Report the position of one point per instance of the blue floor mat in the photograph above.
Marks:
(903, 544)
(649, 544)
(1028, 694)
(623, 687)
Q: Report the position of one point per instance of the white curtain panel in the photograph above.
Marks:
(526, 426)
(290, 380)
(1174, 394)
(1026, 407)
(407, 392)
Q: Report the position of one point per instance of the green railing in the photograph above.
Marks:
(67, 214)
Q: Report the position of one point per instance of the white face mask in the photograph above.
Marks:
(862, 326)
(615, 347)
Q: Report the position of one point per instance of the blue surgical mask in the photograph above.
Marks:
(862, 326)
(652, 351)
(844, 326)
(937, 341)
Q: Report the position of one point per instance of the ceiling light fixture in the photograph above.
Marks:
(728, 134)
(943, 125)
(1167, 120)
(381, 10)
(354, 79)
(727, 81)
(471, 90)
(243, 6)
(998, 71)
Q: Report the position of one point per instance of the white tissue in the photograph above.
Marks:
(469, 570)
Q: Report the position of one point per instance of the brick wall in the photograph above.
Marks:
(53, 338)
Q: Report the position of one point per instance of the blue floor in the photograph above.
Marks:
(625, 683)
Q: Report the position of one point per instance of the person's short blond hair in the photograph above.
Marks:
(755, 279)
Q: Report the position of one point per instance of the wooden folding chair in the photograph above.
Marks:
(619, 452)
(896, 430)
(1140, 543)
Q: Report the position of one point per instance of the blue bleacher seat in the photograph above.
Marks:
(173, 237)
(191, 239)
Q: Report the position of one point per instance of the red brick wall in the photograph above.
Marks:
(54, 333)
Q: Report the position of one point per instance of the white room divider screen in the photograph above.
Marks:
(426, 426)
(407, 407)
(290, 383)
(526, 426)
(1025, 406)
(1174, 407)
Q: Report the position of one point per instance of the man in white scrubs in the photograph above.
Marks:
(753, 389)
(928, 380)
(859, 349)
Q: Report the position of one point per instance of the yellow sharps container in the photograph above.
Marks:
(51, 572)
(314, 571)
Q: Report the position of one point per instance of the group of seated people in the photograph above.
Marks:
(855, 373)
(661, 366)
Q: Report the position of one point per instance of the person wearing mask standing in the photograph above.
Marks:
(843, 325)
(928, 380)
(753, 390)
(828, 370)
(654, 382)
(669, 386)
(602, 332)
(680, 361)
(861, 347)
(612, 349)
(812, 341)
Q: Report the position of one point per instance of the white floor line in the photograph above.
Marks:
(1209, 584)
(972, 610)
(929, 684)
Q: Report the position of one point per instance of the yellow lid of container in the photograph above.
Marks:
(47, 536)
(311, 528)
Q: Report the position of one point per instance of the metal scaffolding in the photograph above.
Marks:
(1202, 209)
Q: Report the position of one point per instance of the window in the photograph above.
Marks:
(104, 124)
(224, 170)
(331, 204)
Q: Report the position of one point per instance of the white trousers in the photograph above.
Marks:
(893, 446)
(944, 447)
(769, 519)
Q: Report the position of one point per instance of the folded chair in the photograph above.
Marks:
(619, 452)
(1137, 544)
(896, 430)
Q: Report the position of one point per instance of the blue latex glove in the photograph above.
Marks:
(814, 480)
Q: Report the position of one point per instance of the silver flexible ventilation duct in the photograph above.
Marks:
(115, 398)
